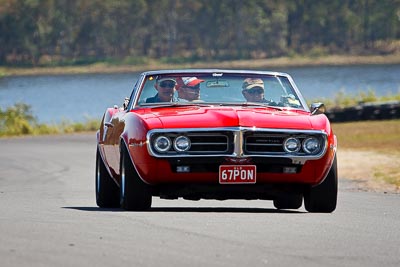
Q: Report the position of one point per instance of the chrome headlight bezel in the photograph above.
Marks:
(166, 146)
(317, 145)
(182, 143)
(292, 145)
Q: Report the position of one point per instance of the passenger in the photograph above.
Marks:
(165, 90)
(253, 91)
(188, 88)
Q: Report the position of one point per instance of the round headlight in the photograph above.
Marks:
(162, 143)
(182, 143)
(311, 145)
(291, 145)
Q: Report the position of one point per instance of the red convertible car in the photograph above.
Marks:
(216, 134)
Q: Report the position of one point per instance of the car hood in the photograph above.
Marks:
(214, 117)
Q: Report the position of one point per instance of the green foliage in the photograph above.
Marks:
(388, 175)
(317, 51)
(343, 99)
(53, 32)
(391, 97)
(91, 125)
(17, 120)
(131, 61)
(41, 129)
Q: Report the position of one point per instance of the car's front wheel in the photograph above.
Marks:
(323, 197)
(135, 194)
(289, 202)
(107, 191)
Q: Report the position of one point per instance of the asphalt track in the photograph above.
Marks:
(48, 217)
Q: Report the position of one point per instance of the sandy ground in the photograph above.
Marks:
(362, 169)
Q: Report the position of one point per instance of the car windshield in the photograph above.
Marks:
(217, 88)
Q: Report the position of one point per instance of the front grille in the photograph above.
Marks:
(263, 143)
(209, 143)
(202, 143)
(237, 142)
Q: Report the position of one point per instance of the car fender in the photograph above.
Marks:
(134, 137)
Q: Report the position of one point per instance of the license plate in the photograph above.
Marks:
(237, 174)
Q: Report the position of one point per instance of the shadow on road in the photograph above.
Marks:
(193, 209)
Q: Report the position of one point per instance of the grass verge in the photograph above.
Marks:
(376, 143)
(17, 121)
(380, 136)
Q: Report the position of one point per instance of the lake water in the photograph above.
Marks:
(77, 97)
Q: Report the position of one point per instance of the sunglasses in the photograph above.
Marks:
(166, 84)
(256, 90)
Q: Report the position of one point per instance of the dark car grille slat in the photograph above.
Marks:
(256, 143)
(208, 142)
(264, 143)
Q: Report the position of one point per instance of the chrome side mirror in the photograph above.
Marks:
(317, 108)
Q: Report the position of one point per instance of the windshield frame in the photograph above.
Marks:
(280, 77)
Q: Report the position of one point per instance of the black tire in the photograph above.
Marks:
(107, 191)
(288, 202)
(135, 194)
(323, 197)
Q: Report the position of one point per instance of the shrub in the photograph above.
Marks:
(17, 120)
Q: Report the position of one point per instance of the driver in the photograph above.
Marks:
(253, 91)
